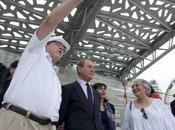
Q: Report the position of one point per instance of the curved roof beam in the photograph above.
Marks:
(130, 71)
(88, 14)
(152, 14)
(121, 18)
(125, 32)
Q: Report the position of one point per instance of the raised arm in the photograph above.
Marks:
(55, 17)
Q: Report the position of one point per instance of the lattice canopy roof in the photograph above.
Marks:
(124, 37)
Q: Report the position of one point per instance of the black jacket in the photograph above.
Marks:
(4, 87)
(172, 104)
(74, 110)
(3, 73)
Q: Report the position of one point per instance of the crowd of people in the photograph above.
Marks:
(32, 98)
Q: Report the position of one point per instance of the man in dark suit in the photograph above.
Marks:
(80, 103)
(172, 104)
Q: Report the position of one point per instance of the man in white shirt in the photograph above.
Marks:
(33, 99)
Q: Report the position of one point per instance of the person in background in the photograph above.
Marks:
(172, 105)
(3, 72)
(33, 98)
(6, 83)
(146, 113)
(107, 109)
(11, 70)
(154, 94)
(80, 107)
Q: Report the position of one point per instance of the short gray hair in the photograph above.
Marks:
(145, 83)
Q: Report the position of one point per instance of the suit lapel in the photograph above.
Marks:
(81, 94)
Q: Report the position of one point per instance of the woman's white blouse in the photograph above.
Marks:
(159, 117)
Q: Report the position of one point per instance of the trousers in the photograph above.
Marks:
(10, 120)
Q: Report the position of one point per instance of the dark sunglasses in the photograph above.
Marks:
(144, 114)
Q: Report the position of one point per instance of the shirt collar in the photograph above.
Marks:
(81, 82)
(56, 68)
(49, 57)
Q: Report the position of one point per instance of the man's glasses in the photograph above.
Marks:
(144, 114)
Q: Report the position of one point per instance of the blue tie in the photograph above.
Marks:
(90, 100)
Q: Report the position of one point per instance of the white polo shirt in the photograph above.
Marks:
(35, 85)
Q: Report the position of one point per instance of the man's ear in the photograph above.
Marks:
(78, 69)
(47, 48)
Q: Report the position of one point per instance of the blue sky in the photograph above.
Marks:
(162, 71)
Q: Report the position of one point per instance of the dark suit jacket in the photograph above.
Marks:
(74, 110)
(4, 87)
(172, 104)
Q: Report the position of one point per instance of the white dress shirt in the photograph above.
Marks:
(35, 85)
(84, 87)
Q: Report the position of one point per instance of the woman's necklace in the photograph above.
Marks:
(142, 104)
